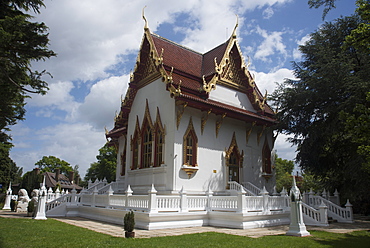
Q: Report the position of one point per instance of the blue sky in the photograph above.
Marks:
(97, 43)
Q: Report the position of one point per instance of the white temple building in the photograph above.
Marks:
(194, 137)
(194, 121)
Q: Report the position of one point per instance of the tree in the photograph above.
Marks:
(21, 42)
(333, 78)
(50, 163)
(284, 169)
(9, 172)
(329, 4)
(31, 180)
(105, 167)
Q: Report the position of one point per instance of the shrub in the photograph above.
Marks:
(129, 221)
(31, 207)
(13, 205)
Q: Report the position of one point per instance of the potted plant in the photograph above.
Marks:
(30, 208)
(129, 224)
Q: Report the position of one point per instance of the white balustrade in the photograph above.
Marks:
(223, 203)
(336, 212)
(168, 203)
(251, 188)
(197, 203)
(138, 202)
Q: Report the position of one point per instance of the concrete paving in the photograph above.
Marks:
(361, 223)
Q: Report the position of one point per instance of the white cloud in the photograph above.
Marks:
(103, 100)
(284, 149)
(268, 13)
(296, 53)
(273, 42)
(267, 81)
(75, 143)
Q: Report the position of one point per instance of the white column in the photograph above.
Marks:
(152, 200)
(128, 194)
(41, 206)
(183, 200)
(297, 226)
(265, 194)
(8, 197)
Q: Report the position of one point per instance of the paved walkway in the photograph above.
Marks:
(361, 223)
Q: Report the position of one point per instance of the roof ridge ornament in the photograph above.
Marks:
(146, 27)
(236, 25)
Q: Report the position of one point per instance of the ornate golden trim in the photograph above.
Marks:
(148, 118)
(173, 91)
(259, 134)
(234, 144)
(188, 130)
(189, 170)
(211, 85)
(179, 112)
(249, 131)
(204, 120)
(219, 123)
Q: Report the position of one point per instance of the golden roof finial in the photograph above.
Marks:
(146, 22)
(236, 25)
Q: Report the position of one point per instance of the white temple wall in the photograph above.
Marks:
(231, 97)
(157, 96)
(211, 153)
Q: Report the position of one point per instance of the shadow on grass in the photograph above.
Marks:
(353, 239)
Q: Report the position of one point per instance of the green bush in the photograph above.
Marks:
(129, 221)
(13, 205)
(31, 207)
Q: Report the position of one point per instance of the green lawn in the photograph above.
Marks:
(52, 233)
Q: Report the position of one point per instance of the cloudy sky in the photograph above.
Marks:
(97, 43)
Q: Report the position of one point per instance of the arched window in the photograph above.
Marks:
(266, 159)
(234, 161)
(190, 146)
(135, 141)
(147, 147)
(159, 141)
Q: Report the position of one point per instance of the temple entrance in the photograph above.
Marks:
(233, 167)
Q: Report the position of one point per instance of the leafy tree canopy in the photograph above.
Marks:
(328, 5)
(50, 163)
(284, 169)
(105, 167)
(333, 78)
(9, 172)
(21, 42)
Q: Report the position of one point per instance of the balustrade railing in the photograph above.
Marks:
(314, 216)
(334, 211)
(197, 203)
(238, 187)
(252, 188)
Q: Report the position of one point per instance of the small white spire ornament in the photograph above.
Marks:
(297, 226)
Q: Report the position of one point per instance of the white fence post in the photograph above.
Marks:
(336, 197)
(8, 197)
(242, 204)
(152, 200)
(128, 194)
(323, 213)
(57, 193)
(209, 194)
(349, 210)
(95, 192)
(73, 196)
(265, 194)
(183, 200)
(310, 198)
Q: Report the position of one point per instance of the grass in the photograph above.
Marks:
(52, 233)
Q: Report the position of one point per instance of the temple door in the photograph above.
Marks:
(233, 167)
